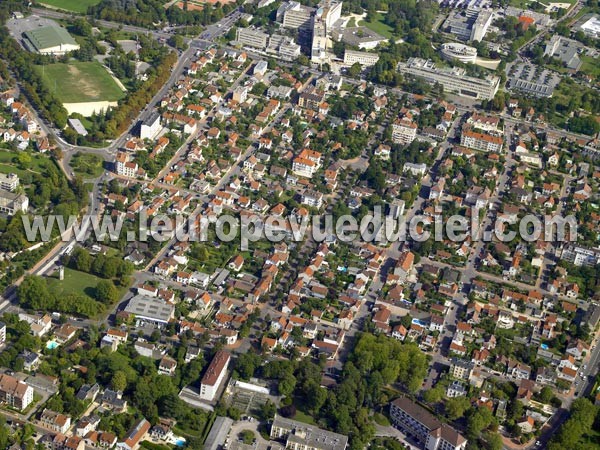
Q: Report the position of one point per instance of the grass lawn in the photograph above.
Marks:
(590, 66)
(75, 282)
(304, 418)
(78, 6)
(38, 163)
(87, 165)
(80, 82)
(380, 419)
(378, 26)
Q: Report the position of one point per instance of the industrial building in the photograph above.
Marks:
(50, 40)
(453, 80)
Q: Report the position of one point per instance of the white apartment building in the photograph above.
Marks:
(363, 58)
(151, 126)
(484, 123)
(312, 198)
(214, 376)
(9, 181)
(420, 423)
(14, 392)
(481, 141)
(453, 80)
(581, 256)
(404, 131)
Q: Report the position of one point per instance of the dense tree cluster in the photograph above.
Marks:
(150, 13)
(574, 433)
(375, 362)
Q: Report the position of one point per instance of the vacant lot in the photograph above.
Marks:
(80, 82)
(79, 6)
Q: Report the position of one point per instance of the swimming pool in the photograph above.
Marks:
(180, 442)
(51, 345)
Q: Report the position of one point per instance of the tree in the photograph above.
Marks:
(546, 395)
(119, 381)
(354, 70)
(106, 292)
(434, 395)
(267, 411)
(493, 440)
(456, 407)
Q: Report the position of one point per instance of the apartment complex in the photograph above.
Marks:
(124, 166)
(425, 427)
(453, 80)
(481, 141)
(298, 435)
(581, 256)
(404, 131)
(14, 392)
(461, 369)
(363, 58)
(214, 376)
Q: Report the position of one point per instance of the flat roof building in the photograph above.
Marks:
(9, 181)
(11, 203)
(363, 58)
(300, 435)
(453, 80)
(50, 40)
(150, 309)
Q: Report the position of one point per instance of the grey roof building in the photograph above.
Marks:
(150, 309)
(300, 435)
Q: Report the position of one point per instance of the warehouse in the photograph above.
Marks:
(50, 40)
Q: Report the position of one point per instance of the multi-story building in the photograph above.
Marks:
(307, 163)
(295, 16)
(581, 256)
(481, 24)
(9, 181)
(2, 333)
(301, 436)
(124, 166)
(363, 58)
(425, 427)
(252, 37)
(481, 141)
(311, 98)
(14, 392)
(151, 126)
(214, 376)
(461, 369)
(11, 202)
(312, 198)
(453, 80)
(404, 131)
(55, 421)
(485, 123)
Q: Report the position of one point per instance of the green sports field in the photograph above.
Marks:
(80, 82)
(78, 6)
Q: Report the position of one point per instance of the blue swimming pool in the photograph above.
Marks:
(51, 345)
(180, 442)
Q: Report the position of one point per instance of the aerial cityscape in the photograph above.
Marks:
(299, 224)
